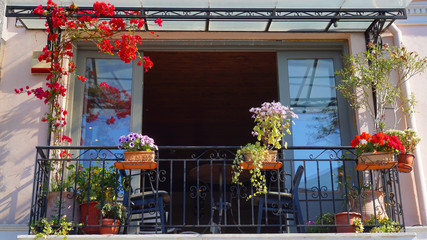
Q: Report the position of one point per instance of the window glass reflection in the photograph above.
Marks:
(106, 111)
(314, 99)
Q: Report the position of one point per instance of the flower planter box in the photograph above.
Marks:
(139, 156)
(270, 156)
(378, 160)
(265, 165)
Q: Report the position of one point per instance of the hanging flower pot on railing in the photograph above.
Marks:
(139, 148)
(405, 162)
(139, 156)
(409, 140)
(267, 156)
(272, 122)
(376, 151)
(376, 160)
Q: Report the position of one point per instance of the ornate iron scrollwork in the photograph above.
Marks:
(319, 192)
(201, 192)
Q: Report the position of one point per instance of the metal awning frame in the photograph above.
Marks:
(377, 17)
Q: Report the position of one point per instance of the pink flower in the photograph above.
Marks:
(159, 22)
(67, 139)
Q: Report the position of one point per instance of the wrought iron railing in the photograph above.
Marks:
(192, 191)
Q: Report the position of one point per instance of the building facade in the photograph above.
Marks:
(198, 94)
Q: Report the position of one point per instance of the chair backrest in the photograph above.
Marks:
(297, 179)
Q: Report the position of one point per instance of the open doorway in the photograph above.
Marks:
(203, 98)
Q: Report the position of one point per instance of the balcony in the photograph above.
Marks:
(193, 192)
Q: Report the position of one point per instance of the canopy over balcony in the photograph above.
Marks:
(371, 17)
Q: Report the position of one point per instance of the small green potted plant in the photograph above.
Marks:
(113, 213)
(350, 196)
(43, 227)
(140, 148)
(324, 219)
(377, 225)
(409, 140)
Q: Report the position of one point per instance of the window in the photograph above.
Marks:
(107, 101)
(103, 105)
(306, 82)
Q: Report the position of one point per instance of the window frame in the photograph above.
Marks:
(296, 48)
(77, 94)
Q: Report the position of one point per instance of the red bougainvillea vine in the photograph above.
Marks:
(68, 25)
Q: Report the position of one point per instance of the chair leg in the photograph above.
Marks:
(162, 214)
(260, 211)
(298, 218)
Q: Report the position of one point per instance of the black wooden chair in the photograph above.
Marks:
(283, 203)
(146, 207)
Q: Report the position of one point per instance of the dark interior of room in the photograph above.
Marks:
(203, 98)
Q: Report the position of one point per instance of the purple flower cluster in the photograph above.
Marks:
(273, 109)
(272, 121)
(137, 142)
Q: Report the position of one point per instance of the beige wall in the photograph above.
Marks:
(415, 39)
(20, 126)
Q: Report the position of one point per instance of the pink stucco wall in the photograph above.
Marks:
(415, 39)
(20, 126)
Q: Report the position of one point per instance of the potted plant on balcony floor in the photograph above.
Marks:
(113, 214)
(350, 195)
(95, 184)
(272, 122)
(61, 199)
(409, 140)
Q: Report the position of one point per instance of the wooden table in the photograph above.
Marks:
(218, 174)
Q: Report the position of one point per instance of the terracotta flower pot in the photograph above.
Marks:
(109, 230)
(377, 157)
(92, 219)
(68, 207)
(270, 156)
(139, 156)
(406, 161)
(371, 205)
(345, 218)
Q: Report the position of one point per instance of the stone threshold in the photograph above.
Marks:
(305, 236)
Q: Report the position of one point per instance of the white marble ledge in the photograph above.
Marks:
(306, 236)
